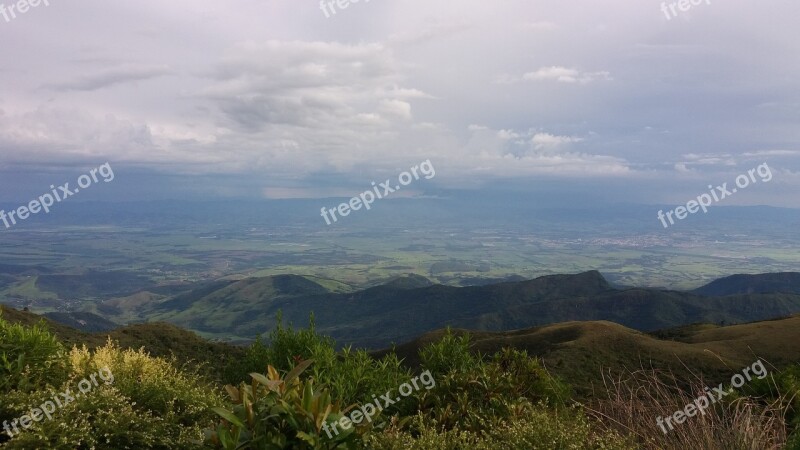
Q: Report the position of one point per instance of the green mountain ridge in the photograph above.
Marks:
(399, 310)
(785, 282)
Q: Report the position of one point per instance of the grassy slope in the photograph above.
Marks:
(579, 351)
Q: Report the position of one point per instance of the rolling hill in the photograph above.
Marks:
(401, 310)
(579, 351)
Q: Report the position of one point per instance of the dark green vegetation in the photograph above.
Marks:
(409, 306)
(85, 321)
(375, 317)
(491, 390)
(787, 282)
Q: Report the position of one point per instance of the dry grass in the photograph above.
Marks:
(633, 401)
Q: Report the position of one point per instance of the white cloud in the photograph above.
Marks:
(710, 159)
(396, 108)
(565, 75)
(547, 141)
(762, 153)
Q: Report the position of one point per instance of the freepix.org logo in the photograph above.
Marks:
(717, 194)
(329, 7)
(45, 201)
(367, 198)
(9, 13)
(671, 9)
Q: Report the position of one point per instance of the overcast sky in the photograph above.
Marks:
(272, 98)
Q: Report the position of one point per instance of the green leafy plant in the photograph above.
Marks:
(482, 393)
(281, 413)
(30, 357)
(352, 376)
(450, 353)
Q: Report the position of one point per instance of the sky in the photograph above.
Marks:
(282, 99)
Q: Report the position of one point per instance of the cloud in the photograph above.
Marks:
(311, 85)
(429, 32)
(710, 159)
(763, 153)
(396, 108)
(110, 77)
(274, 91)
(565, 75)
(518, 153)
(547, 141)
(557, 74)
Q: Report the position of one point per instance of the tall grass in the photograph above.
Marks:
(632, 402)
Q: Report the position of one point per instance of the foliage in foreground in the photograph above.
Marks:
(539, 429)
(507, 401)
(274, 412)
(30, 357)
(297, 385)
(149, 404)
(352, 376)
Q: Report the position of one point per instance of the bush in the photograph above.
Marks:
(472, 397)
(285, 349)
(449, 354)
(153, 384)
(281, 413)
(31, 358)
(151, 404)
(354, 377)
(104, 420)
(351, 376)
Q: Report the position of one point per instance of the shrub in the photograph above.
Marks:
(151, 404)
(472, 397)
(105, 419)
(450, 353)
(281, 413)
(153, 384)
(288, 347)
(30, 357)
(351, 376)
(285, 348)
(354, 377)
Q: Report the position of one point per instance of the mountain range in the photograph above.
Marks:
(407, 307)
